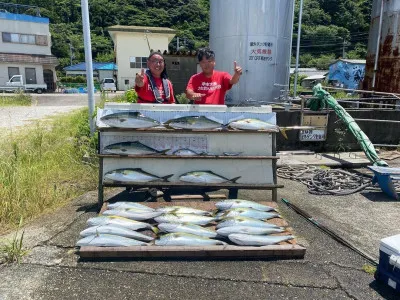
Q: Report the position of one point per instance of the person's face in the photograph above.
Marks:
(207, 65)
(156, 65)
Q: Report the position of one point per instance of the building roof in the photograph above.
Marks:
(23, 18)
(315, 77)
(309, 71)
(96, 66)
(351, 61)
(141, 29)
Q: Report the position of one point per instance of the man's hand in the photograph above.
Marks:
(197, 96)
(237, 69)
(139, 80)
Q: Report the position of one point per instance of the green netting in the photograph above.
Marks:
(322, 100)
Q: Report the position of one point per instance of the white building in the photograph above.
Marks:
(132, 45)
(25, 49)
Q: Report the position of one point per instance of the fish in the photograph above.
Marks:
(205, 177)
(132, 175)
(225, 231)
(247, 212)
(115, 230)
(120, 221)
(239, 203)
(243, 221)
(108, 240)
(131, 148)
(125, 204)
(187, 228)
(258, 240)
(253, 124)
(182, 210)
(137, 215)
(129, 119)
(187, 152)
(185, 239)
(184, 218)
(193, 122)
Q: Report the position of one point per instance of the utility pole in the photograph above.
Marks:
(89, 64)
(71, 53)
(177, 43)
(344, 49)
(296, 72)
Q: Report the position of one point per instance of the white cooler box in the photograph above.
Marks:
(389, 262)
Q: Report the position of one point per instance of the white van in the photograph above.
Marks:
(108, 84)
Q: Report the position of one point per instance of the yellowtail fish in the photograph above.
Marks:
(205, 177)
(129, 119)
(185, 239)
(108, 240)
(131, 148)
(115, 230)
(258, 240)
(132, 176)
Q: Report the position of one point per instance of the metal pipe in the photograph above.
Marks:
(290, 51)
(367, 103)
(89, 64)
(361, 91)
(377, 45)
(375, 120)
(386, 145)
(296, 72)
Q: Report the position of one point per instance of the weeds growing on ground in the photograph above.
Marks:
(20, 99)
(369, 269)
(13, 250)
(43, 167)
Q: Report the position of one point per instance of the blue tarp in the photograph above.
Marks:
(346, 73)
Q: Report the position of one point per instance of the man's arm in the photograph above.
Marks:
(192, 95)
(237, 72)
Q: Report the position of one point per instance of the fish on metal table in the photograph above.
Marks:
(243, 221)
(129, 119)
(247, 212)
(120, 221)
(131, 148)
(126, 204)
(193, 123)
(182, 210)
(239, 203)
(108, 240)
(187, 152)
(129, 175)
(137, 215)
(225, 231)
(253, 124)
(205, 177)
(115, 230)
(185, 239)
(186, 228)
(258, 240)
(184, 218)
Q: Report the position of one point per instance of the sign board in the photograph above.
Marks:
(314, 135)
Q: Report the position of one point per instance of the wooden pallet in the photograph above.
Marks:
(288, 250)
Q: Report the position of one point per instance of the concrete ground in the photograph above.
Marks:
(329, 270)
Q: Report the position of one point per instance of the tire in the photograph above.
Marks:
(39, 91)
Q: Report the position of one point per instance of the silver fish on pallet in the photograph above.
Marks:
(253, 124)
(185, 239)
(129, 119)
(132, 176)
(193, 123)
(124, 205)
(131, 148)
(108, 240)
(243, 221)
(182, 210)
(187, 228)
(239, 203)
(184, 218)
(187, 152)
(258, 240)
(137, 215)
(247, 212)
(115, 230)
(120, 221)
(225, 231)
(205, 177)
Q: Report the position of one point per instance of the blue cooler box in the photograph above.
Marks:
(389, 262)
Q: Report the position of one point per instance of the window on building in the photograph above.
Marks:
(137, 62)
(30, 75)
(20, 38)
(12, 71)
(127, 81)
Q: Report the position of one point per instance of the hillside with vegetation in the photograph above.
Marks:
(330, 27)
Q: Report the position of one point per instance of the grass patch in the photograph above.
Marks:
(13, 250)
(20, 99)
(369, 269)
(45, 166)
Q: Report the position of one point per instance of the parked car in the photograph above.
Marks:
(16, 83)
(108, 84)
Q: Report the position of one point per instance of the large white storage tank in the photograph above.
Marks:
(257, 34)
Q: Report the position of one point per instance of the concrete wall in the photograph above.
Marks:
(134, 44)
(180, 69)
(378, 133)
(25, 27)
(4, 72)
